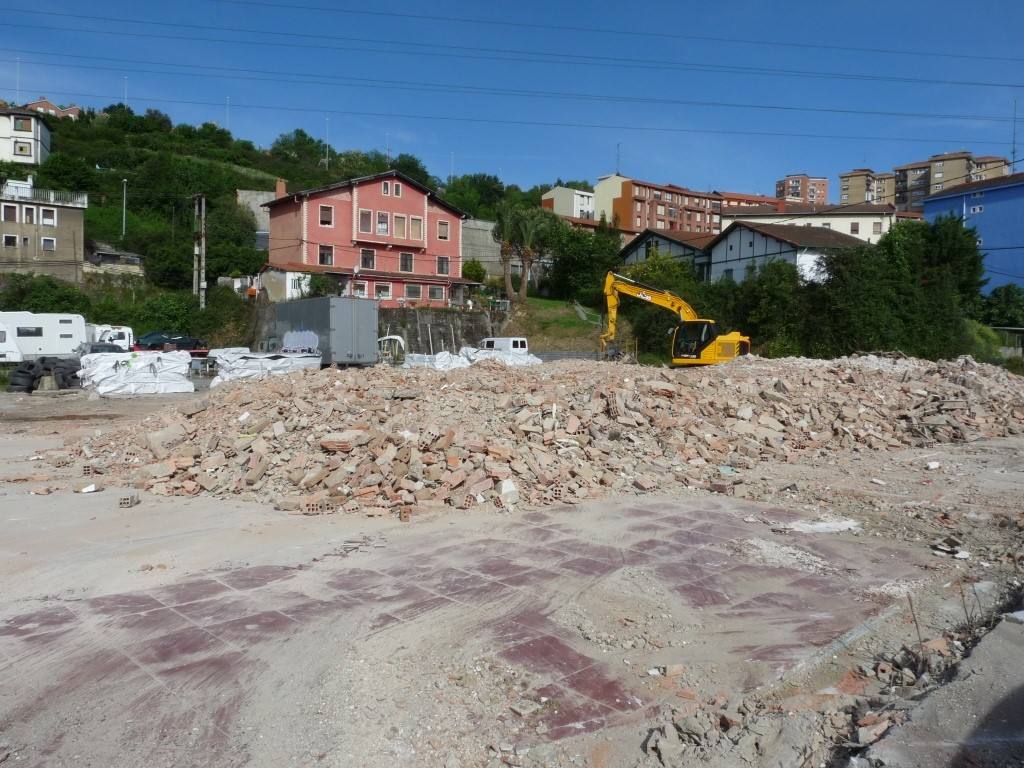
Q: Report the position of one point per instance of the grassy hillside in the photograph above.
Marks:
(554, 324)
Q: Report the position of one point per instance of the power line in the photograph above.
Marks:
(399, 48)
(545, 123)
(418, 86)
(620, 32)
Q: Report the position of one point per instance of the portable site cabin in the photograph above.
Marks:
(28, 335)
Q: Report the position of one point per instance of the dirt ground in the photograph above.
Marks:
(209, 632)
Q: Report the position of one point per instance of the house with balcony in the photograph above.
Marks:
(42, 231)
(384, 236)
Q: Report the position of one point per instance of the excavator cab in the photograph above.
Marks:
(692, 337)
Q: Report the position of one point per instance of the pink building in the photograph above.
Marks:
(384, 236)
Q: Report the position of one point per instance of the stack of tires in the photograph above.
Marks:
(25, 378)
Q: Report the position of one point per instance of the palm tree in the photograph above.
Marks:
(507, 234)
(533, 227)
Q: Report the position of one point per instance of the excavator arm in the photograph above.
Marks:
(616, 285)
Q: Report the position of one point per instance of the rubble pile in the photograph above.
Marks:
(391, 441)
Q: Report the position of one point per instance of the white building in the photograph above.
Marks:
(564, 201)
(24, 137)
(746, 245)
(864, 221)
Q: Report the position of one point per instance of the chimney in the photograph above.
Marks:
(281, 188)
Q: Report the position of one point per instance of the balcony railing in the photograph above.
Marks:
(52, 196)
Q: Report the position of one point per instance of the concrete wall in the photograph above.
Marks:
(36, 139)
(429, 331)
(253, 199)
(606, 191)
(478, 243)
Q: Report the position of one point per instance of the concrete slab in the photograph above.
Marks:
(975, 720)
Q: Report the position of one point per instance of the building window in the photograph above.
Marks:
(977, 208)
(326, 215)
(23, 148)
(326, 255)
(413, 291)
(442, 265)
(442, 230)
(416, 228)
(32, 332)
(382, 290)
(405, 262)
(876, 227)
(28, 215)
(399, 224)
(854, 227)
(385, 188)
(49, 244)
(359, 289)
(10, 241)
(661, 210)
(637, 205)
(48, 216)
(382, 223)
(367, 258)
(397, 189)
(10, 213)
(727, 274)
(661, 224)
(23, 124)
(936, 187)
(436, 292)
(365, 221)
(938, 175)
(638, 221)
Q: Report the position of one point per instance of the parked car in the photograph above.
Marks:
(158, 340)
(95, 347)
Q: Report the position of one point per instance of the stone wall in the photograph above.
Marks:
(429, 331)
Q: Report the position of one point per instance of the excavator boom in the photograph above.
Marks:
(695, 342)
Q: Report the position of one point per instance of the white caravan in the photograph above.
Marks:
(119, 335)
(513, 345)
(28, 335)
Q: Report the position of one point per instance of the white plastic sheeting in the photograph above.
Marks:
(446, 361)
(239, 363)
(136, 373)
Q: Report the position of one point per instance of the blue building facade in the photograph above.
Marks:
(995, 210)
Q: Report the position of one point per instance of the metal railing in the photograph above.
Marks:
(52, 196)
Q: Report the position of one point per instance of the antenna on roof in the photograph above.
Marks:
(1013, 142)
(618, 156)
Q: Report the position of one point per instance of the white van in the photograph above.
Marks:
(119, 335)
(515, 345)
(28, 335)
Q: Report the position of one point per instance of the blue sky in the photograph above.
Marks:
(276, 82)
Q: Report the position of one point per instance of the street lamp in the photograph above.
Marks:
(124, 205)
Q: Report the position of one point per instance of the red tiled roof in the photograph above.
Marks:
(797, 235)
(974, 186)
(359, 179)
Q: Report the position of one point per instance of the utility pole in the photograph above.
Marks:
(1013, 139)
(126, 90)
(124, 206)
(618, 156)
(327, 145)
(227, 117)
(451, 167)
(387, 146)
(199, 251)
(17, 81)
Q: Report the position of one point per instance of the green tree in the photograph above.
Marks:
(477, 194)
(474, 270)
(1004, 307)
(41, 293)
(66, 172)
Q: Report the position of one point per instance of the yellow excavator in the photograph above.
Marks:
(694, 341)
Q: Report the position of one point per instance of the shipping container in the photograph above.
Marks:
(345, 328)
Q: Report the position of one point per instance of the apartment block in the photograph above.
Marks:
(42, 231)
(801, 188)
(909, 184)
(640, 205)
(565, 201)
